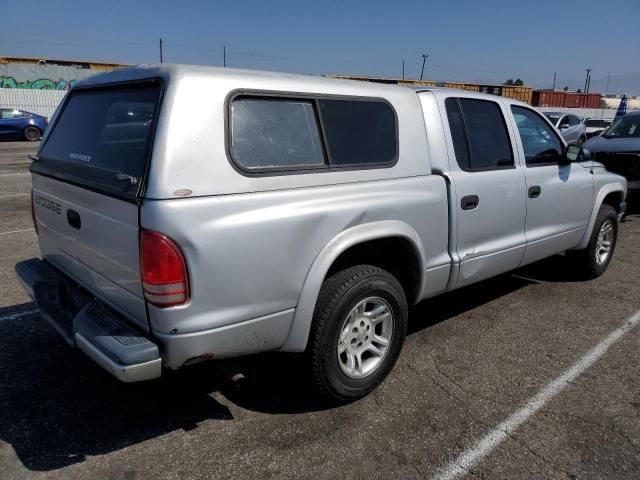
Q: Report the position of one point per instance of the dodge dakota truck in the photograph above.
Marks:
(192, 213)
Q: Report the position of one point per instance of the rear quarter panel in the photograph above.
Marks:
(248, 255)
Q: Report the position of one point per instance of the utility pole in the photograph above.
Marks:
(224, 55)
(161, 51)
(424, 59)
(586, 81)
(403, 69)
(554, 81)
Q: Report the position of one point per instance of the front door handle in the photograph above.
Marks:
(535, 191)
(470, 202)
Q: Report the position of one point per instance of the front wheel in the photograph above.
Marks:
(359, 327)
(32, 134)
(594, 260)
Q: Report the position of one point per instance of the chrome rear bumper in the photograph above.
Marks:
(86, 323)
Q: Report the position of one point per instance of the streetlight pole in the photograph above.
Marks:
(586, 81)
(424, 59)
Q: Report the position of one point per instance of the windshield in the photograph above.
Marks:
(625, 127)
(553, 117)
(101, 139)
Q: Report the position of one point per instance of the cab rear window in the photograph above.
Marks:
(102, 137)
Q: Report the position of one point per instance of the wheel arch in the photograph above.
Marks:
(611, 194)
(360, 235)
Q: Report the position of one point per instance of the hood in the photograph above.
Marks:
(602, 144)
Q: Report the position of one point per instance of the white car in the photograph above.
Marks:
(595, 126)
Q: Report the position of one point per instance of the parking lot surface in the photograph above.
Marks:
(550, 356)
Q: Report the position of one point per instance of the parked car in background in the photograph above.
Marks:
(618, 148)
(20, 125)
(595, 126)
(571, 127)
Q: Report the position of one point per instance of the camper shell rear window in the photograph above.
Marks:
(102, 137)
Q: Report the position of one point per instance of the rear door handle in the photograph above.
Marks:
(535, 191)
(470, 202)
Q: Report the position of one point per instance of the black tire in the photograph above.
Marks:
(31, 133)
(585, 261)
(339, 295)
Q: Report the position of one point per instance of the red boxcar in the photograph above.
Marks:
(561, 99)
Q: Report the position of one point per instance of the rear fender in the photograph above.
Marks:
(299, 332)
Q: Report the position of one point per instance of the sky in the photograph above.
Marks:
(481, 41)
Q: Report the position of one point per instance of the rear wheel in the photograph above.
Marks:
(358, 330)
(594, 260)
(31, 133)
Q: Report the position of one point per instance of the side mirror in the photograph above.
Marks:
(575, 153)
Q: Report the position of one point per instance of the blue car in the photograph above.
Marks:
(21, 125)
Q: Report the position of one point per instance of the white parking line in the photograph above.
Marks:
(16, 316)
(483, 447)
(2, 174)
(17, 231)
(15, 195)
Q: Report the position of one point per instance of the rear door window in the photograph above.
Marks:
(102, 138)
(480, 135)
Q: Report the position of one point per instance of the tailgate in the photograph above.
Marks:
(87, 180)
(97, 246)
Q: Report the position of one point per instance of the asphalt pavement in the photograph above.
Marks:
(511, 378)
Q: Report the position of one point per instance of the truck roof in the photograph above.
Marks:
(168, 70)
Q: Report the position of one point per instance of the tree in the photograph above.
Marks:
(509, 82)
(518, 82)
(566, 89)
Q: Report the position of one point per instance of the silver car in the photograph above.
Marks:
(571, 127)
(194, 213)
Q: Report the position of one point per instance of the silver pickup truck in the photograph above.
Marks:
(192, 213)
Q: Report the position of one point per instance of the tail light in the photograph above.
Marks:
(33, 214)
(163, 270)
